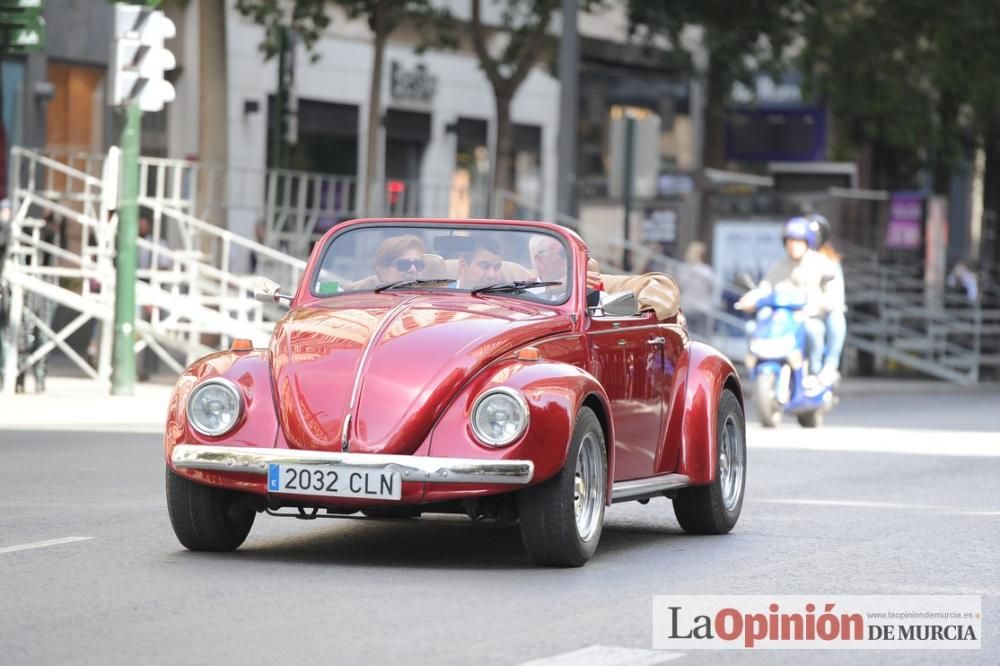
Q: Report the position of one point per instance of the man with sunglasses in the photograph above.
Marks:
(481, 265)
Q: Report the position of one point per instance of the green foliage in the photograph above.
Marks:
(309, 18)
(920, 78)
(306, 18)
(741, 37)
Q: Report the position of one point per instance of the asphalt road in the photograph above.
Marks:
(447, 591)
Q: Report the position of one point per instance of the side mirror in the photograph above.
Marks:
(268, 291)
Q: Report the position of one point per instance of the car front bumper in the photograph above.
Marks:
(411, 468)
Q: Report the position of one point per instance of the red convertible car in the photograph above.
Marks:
(462, 366)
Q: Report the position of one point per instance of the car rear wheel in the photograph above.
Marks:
(207, 518)
(562, 518)
(715, 508)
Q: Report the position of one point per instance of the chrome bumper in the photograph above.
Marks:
(412, 468)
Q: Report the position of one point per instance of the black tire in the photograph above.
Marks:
(207, 518)
(810, 419)
(702, 509)
(766, 401)
(547, 514)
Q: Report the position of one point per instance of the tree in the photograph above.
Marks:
(308, 19)
(918, 82)
(526, 25)
(740, 38)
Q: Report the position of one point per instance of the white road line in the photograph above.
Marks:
(603, 655)
(954, 510)
(42, 544)
(879, 440)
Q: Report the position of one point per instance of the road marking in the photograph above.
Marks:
(603, 655)
(42, 544)
(879, 440)
(954, 510)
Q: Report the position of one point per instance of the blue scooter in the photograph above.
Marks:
(778, 359)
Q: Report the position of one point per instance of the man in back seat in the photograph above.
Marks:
(481, 265)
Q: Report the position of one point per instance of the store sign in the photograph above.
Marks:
(415, 84)
(22, 28)
(660, 226)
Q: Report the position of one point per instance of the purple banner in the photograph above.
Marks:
(906, 220)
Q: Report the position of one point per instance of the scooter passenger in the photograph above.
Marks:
(835, 303)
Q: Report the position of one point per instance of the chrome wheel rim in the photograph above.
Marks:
(731, 462)
(588, 487)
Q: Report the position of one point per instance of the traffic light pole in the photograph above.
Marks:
(123, 368)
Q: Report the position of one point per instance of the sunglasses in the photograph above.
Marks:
(405, 265)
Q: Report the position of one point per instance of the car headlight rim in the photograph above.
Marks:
(484, 438)
(237, 397)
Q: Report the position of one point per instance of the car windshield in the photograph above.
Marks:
(451, 257)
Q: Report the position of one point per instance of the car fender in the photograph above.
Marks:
(709, 373)
(250, 372)
(555, 393)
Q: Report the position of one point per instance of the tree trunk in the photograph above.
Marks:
(374, 110)
(212, 111)
(714, 145)
(503, 168)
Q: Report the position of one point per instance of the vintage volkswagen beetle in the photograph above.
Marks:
(456, 366)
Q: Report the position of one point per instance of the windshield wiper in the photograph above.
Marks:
(399, 284)
(513, 287)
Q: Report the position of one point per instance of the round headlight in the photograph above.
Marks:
(499, 417)
(214, 407)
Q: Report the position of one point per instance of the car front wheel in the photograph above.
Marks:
(562, 518)
(207, 518)
(715, 508)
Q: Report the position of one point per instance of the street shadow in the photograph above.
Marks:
(430, 543)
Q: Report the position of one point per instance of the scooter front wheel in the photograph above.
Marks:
(765, 397)
(810, 419)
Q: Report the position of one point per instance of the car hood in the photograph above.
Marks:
(390, 362)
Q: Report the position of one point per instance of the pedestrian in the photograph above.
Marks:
(963, 281)
(697, 282)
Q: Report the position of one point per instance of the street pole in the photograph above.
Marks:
(123, 371)
(629, 177)
(569, 60)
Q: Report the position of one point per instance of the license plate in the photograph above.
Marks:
(338, 482)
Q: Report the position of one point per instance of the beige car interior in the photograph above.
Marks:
(653, 291)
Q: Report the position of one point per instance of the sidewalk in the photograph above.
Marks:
(83, 404)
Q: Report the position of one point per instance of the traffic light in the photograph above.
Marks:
(139, 58)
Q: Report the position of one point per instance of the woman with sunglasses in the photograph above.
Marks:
(399, 258)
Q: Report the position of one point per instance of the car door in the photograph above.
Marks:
(627, 358)
(673, 339)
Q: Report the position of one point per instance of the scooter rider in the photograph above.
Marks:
(807, 270)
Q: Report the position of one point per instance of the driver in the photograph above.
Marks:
(399, 258)
(804, 269)
(481, 265)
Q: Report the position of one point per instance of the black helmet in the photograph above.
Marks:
(820, 227)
